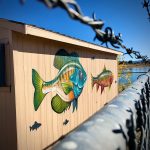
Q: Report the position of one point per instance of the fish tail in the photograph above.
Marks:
(92, 79)
(30, 128)
(38, 94)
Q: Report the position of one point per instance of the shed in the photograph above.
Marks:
(49, 84)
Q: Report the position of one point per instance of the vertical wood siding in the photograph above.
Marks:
(37, 53)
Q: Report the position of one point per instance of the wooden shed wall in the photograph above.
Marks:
(31, 52)
(8, 137)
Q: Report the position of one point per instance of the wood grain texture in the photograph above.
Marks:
(29, 53)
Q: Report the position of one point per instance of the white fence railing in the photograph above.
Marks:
(122, 124)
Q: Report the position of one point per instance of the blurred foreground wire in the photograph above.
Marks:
(105, 36)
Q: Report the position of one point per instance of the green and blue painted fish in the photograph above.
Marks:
(68, 83)
(104, 79)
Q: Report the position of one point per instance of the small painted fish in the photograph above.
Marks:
(68, 84)
(35, 126)
(65, 122)
(104, 79)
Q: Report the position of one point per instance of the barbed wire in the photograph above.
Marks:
(106, 36)
(146, 5)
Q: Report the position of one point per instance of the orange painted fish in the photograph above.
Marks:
(104, 79)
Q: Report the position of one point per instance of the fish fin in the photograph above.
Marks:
(92, 80)
(74, 57)
(102, 89)
(67, 87)
(97, 87)
(109, 86)
(104, 68)
(62, 57)
(75, 104)
(71, 95)
(38, 94)
(58, 105)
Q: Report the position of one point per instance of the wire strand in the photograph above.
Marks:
(104, 36)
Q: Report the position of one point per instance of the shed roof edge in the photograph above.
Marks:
(43, 33)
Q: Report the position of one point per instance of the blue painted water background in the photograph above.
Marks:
(135, 72)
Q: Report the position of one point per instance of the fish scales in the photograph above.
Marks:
(68, 83)
(65, 76)
(104, 79)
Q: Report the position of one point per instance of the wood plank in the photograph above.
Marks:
(19, 92)
(34, 53)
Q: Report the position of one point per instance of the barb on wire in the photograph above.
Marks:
(108, 36)
(146, 5)
(95, 24)
(105, 36)
(130, 51)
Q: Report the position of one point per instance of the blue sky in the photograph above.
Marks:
(124, 16)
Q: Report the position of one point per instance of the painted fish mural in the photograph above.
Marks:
(35, 126)
(104, 79)
(68, 84)
(66, 122)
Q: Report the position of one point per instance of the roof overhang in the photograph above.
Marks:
(39, 32)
